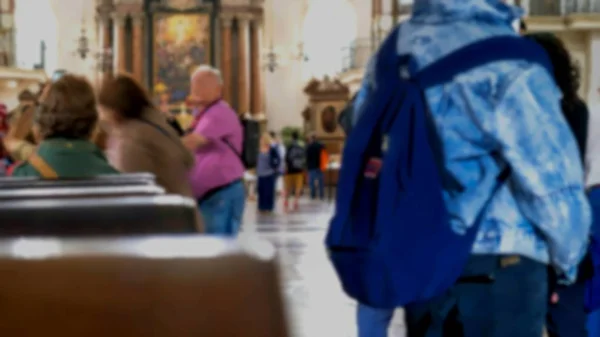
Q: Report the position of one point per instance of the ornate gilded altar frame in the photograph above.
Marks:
(156, 9)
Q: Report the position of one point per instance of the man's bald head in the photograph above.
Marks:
(206, 86)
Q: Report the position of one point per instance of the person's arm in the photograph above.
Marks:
(209, 128)
(547, 176)
(15, 141)
(193, 141)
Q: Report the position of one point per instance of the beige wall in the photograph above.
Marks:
(58, 23)
(283, 87)
(285, 22)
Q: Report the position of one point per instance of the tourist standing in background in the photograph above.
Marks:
(295, 164)
(278, 143)
(267, 172)
(216, 138)
(314, 165)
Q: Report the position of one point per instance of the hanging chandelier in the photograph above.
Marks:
(273, 59)
(271, 62)
(83, 44)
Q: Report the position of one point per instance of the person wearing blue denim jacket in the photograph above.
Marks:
(507, 111)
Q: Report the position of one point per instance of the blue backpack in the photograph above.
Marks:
(390, 239)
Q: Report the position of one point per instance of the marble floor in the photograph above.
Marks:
(316, 304)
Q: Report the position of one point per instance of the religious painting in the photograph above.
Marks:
(181, 43)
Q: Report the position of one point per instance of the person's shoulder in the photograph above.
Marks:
(23, 169)
(581, 106)
(223, 106)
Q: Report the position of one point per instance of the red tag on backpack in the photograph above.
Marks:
(373, 167)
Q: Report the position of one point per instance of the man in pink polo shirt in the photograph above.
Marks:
(216, 138)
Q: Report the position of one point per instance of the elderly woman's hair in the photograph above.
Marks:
(124, 95)
(68, 110)
(566, 71)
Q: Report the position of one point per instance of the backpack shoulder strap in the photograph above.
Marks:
(480, 53)
(387, 60)
(40, 165)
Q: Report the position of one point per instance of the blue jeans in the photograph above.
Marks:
(373, 322)
(488, 303)
(223, 211)
(593, 323)
(316, 182)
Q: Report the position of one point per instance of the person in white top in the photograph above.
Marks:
(281, 150)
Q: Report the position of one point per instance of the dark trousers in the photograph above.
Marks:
(316, 183)
(496, 297)
(568, 318)
(266, 192)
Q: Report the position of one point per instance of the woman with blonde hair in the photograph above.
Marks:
(63, 125)
(267, 167)
(140, 138)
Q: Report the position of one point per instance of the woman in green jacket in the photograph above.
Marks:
(64, 123)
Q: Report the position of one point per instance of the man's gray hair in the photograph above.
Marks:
(209, 69)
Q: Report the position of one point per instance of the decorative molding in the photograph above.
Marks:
(119, 17)
(181, 5)
(244, 18)
(138, 18)
(226, 19)
(326, 89)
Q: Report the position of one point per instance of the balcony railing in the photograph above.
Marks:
(561, 7)
(357, 55)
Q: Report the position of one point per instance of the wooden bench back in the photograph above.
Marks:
(93, 216)
(124, 288)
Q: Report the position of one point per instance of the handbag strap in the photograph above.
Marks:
(237, 153)
(159, 128)
(200, 114)
(40, 165)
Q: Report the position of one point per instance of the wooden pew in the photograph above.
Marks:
(134, 179)
(66, 192)
(177, 287)
(116, 216)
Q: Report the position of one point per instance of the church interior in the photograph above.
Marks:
(287, 65)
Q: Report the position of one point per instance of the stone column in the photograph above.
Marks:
(395, 12)
(377, 11)
(120, 52)
(255, 70)
(226, 22)
(105, 43)
(242, 76)
(138, 47)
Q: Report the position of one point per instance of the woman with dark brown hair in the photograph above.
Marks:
(139, 136)
(63, 124)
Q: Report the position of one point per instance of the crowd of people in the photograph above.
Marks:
(518, 122)
(286, 169)
(533, 263)
(70, 130)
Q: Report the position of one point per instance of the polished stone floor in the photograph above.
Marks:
(317, 307)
